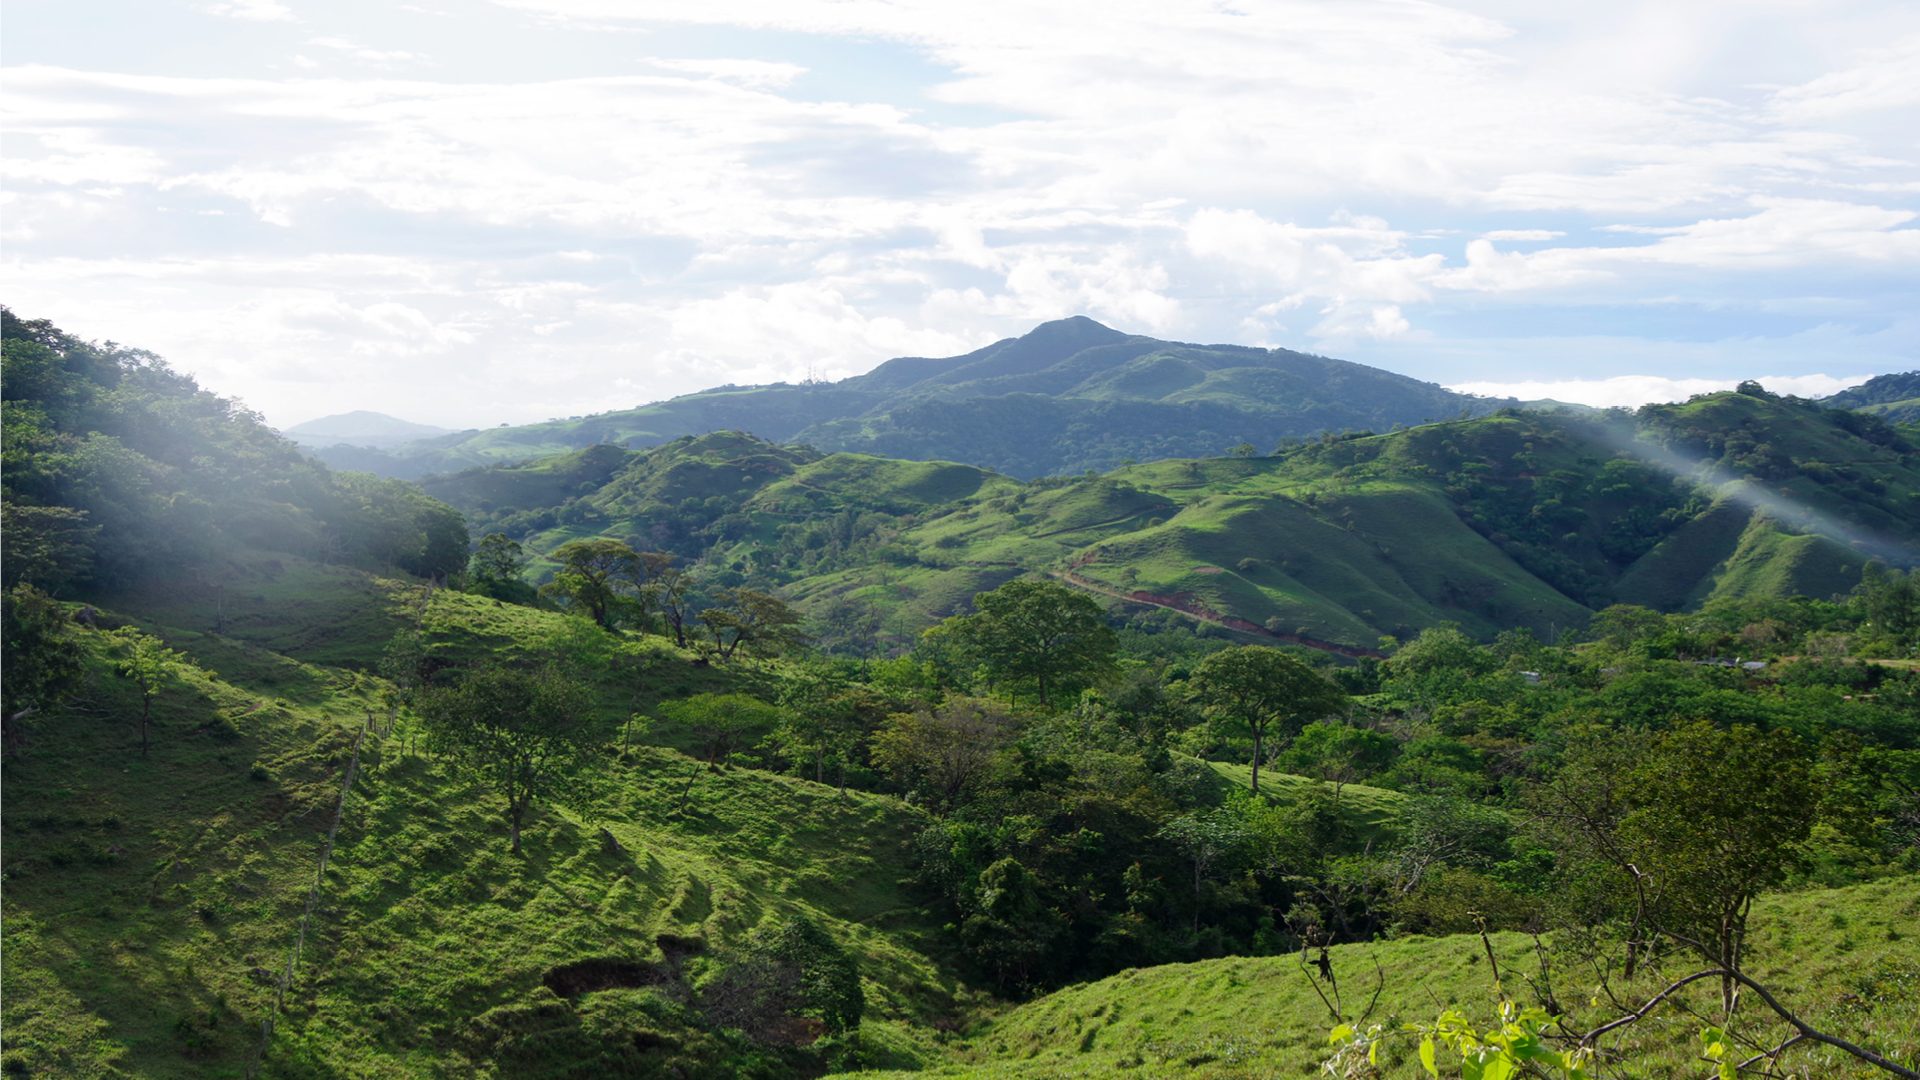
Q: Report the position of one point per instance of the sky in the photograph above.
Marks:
(487, 212)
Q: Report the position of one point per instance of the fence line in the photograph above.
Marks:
(285, 980)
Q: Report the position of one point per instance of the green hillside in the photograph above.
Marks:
(1847, 954)
(1068, 396)
(300, 782)
(1894, 398)
(1517, 520)
(152, 903)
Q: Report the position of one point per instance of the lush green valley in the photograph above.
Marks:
(732, 758)
(1531, 520)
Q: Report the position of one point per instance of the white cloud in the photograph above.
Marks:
(251, 10)
(356, 51)
(1883, 78)
(1632, 390)
(754, 73)
(1522, 235)
(916, 176)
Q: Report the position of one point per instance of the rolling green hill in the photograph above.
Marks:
(1517, 519)
(1846, 953)
(1068, 396)
(152, 903)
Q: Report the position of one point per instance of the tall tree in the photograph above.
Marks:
(594, 575)
(1038, 633)
(525, 734)
(1264, 691)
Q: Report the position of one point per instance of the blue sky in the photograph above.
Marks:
(473, 213)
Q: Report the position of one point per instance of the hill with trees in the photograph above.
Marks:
(1068, 396)
(1894, 398)
(1519, 519)
(312, 800)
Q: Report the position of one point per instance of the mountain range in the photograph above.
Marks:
(1067, 396)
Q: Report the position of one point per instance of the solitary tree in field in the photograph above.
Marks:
(1035, 632)
(152, 666)
(1265, 691)
(594, 575)
(525, 734)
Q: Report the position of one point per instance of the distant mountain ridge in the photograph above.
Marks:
(361, 427)
(1068, 396)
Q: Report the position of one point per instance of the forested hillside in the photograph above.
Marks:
(1068, 396)
(298, 782)
(1894, 398)
(1531, 520)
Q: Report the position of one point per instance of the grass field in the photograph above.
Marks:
(1848, 959)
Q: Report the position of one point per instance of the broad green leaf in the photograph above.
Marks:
(1427, 1061)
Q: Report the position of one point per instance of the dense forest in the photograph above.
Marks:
(732, 758)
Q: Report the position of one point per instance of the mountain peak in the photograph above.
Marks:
(361, 427)
(1075, 330)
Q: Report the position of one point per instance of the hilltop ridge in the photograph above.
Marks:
(1067, 396)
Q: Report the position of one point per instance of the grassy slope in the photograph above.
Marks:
(1846, 958)
(149, 901)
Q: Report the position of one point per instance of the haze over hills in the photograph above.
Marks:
(360, 428)
(1068, 396)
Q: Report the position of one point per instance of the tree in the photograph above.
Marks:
(1208, 838)
(151, 665)
(790, 968)
(822, 720)
(498, 561)
(650, 572)
(526, 734)
(1715, 817)
(594, 575)
(945, 749)
(1257, 688)
(1012, 930)
(1035, 632)
(747, 617)
(1340, 753)
(673, 591)
(722, 724)
(40, 658)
